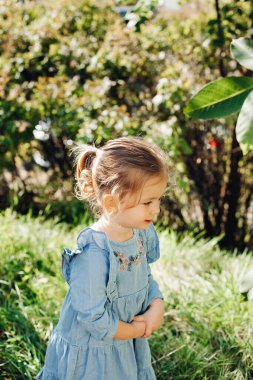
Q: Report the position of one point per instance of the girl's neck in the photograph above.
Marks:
(113, 230)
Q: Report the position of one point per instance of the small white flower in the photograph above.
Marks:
(172, 120)
(40, 135)
(157, 100)
(113, 113)
(69, 142)
(40, 160)
(119, 125)
(163, 82)
(93, 61)
(165, 129)
(162, 55)
(93, 126)
(206, 43)
(131, 24)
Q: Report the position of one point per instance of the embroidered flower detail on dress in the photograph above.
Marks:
(127, 263)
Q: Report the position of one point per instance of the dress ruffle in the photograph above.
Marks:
(45, 375)
(146, 374)
(91, 363)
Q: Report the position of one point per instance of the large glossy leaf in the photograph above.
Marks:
(242, 51)
(244, 127)
(220, 98)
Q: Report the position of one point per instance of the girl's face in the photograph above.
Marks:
(142, 214)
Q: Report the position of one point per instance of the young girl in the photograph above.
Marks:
(113, 303)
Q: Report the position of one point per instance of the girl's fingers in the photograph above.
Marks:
(148, 332)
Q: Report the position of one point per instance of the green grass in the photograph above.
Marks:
(208, 329)
(208, 326)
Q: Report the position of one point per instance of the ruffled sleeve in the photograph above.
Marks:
(153, 254)
(67, 257)
(87, 272)
(86, 237)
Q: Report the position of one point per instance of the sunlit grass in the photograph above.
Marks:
(208, 326)
(208, 330)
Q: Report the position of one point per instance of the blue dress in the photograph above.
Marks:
(108, 281)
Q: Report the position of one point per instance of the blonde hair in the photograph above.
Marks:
(119, 168)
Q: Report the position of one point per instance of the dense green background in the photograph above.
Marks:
(75, 72)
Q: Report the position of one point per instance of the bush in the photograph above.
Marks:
(76, 72)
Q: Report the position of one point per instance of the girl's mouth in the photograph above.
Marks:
(148, 221)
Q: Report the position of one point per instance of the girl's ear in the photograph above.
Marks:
(109, 203)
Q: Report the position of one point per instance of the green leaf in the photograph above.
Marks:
(242, 51)
(244, 127)
(220, 98)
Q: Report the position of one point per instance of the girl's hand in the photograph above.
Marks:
(139, 328)
(153, 317)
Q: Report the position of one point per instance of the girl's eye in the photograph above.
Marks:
(147, 203)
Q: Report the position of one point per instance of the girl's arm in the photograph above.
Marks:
(88, 293)
(130, 330)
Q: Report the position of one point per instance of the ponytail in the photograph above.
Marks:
(85, 161)
(85, 156)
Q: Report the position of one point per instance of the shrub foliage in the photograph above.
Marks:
(76, 71)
